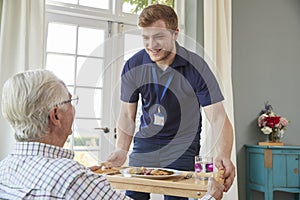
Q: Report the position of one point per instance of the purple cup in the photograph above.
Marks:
(209, 167)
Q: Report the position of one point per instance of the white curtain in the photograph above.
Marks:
(217, 46)
(21, 48)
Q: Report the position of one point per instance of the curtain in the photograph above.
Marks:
(21, 48)
(217, 47)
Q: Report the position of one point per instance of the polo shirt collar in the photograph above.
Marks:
(180, 58)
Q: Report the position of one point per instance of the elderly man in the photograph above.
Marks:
(39, 108)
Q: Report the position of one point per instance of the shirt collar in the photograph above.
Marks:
(41, 149)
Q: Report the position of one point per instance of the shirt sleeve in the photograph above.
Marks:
(93, 186)
(208, 197)
(129, 89)
(208, 91)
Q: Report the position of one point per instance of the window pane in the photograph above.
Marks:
(132, 44)
(86, 143)
(90, 41)
(136, 6)
(90, 72)
(86, 137)
(63, 66)
(90, 103)
(61, 38)
(166, 2)
(66, 1)
(87, 158)
(86, 127)
(71, 90)
(104, 4)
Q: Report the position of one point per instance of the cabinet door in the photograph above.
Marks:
(285, 170)
(256, 168)
(292, 171)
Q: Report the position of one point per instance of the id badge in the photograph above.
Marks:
(159, 118)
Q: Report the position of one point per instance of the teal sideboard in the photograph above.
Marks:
(272, 168)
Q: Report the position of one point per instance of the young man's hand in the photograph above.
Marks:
(117, 157)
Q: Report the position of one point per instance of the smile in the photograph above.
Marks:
(154, 52)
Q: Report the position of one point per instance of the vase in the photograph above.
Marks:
(275, 136)
(273, 139)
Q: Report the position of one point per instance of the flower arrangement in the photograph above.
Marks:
(271, 124)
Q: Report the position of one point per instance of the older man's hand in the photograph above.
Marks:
(215, 188)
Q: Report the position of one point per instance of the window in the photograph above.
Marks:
(75, 53)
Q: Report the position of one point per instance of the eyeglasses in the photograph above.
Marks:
(73, 101)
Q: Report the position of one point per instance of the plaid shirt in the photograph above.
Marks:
(42, 171)
(207, 197)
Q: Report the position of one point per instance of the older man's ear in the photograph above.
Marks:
(53, 118)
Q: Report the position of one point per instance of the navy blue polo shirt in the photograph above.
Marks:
(192, 86)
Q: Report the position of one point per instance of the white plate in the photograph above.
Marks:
(126, 173)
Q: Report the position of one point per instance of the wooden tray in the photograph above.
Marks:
(175, 186)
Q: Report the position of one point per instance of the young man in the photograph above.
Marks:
(173, 84)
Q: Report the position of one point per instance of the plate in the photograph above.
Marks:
(126, 173)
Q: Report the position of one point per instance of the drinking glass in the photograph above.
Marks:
(203, 164)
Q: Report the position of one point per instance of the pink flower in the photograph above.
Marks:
(284, 121)
(261, 120)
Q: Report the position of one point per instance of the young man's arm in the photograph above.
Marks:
(223, 133)
(125, 132)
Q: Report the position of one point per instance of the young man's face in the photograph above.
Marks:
(159, 42)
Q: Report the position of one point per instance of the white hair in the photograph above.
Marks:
(27, 98)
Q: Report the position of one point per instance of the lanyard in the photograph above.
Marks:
(158, 100)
